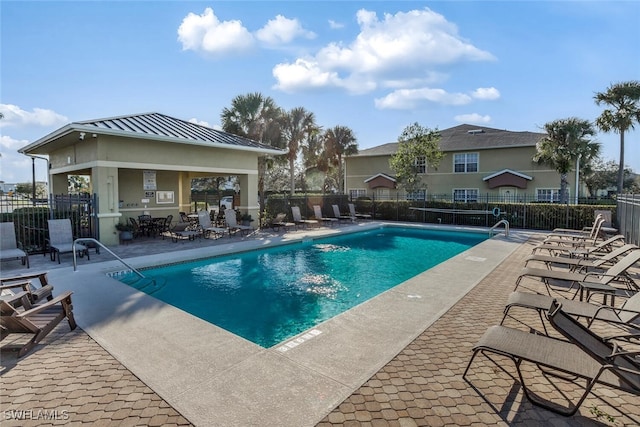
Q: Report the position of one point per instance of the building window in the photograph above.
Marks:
(465, 194)
(416, 195)
(548, 195)
(354, 193)
(465, 162)
(420, 164)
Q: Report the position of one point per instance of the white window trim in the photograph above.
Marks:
(422, 197)
(555, 191)
(361, 192)
(424, 161)
(466, 163)
(466, 195)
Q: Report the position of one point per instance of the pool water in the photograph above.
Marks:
(270, 295)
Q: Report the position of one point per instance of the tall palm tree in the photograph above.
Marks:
(255, 117)
(624, 100)
(566, 141)
(298, 125)
(339, 141)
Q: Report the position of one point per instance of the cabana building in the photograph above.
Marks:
(144, 164)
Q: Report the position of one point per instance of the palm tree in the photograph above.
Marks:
(624, 100)
(567, 140)
(298, 126)
(339, 141)
(255, 117)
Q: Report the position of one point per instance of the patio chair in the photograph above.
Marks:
(621, 316)
(232, 223)
(577, 240)
(341, 218)
(281, 221)
(61, 239)
(586, 356)
(317, 211)
(582, 263)
(9, 246)
(584, 232)
(354, 214)
(591, 282)
(298, 220)
(38, 321)
(24, 282)
(207, 228)
(600, 248)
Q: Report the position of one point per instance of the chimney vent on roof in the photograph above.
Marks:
(475, 131)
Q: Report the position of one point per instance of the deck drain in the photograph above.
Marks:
(297, 341)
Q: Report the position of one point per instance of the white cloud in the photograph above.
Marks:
(403, 99)
(486, 93)
(396, 47)
(206, 33)
(472, 118)
(15, 116)
(335, 25)
(199, 122)
(303, 74)
(282, 30)
(14, 167)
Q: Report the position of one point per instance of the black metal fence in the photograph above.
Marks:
(484, 211)
(629, 217)
(30, 217)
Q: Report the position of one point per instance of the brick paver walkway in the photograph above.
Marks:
(71, 378)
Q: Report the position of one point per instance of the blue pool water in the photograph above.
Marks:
(269, 295)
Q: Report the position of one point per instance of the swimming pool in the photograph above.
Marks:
(269, 295)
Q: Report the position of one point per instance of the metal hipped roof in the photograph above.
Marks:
(161, 127)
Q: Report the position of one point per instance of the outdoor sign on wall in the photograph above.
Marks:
(149, 180)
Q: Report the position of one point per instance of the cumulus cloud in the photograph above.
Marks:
(199, 122)
(486, 93)
(395, 47)
(15, 116)
(472, 118)
(403, 99)
(335, 25)
(282, 30)
(13, 165)
(206, 33)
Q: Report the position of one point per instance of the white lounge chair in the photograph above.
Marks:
(232, 223)
(204, 219)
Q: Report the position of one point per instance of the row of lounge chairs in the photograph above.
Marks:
(280, 220)
(589, 343)
(205, 228)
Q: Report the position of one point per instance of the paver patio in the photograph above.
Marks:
(70, 380)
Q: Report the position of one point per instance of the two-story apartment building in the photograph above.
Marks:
(478, 161)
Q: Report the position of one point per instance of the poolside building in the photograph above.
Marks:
(144, 164)
(477, 161)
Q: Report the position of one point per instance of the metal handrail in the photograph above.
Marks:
(89, 239)
(506, 226)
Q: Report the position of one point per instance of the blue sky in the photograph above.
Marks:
(375, 67)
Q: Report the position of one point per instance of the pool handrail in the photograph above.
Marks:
(90, 239)
(501, 222)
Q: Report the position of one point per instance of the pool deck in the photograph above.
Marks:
(394, 360)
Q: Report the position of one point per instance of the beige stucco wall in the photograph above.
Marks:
(116, 167)
(443, 180)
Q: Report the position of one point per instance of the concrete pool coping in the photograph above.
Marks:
(209, 374)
